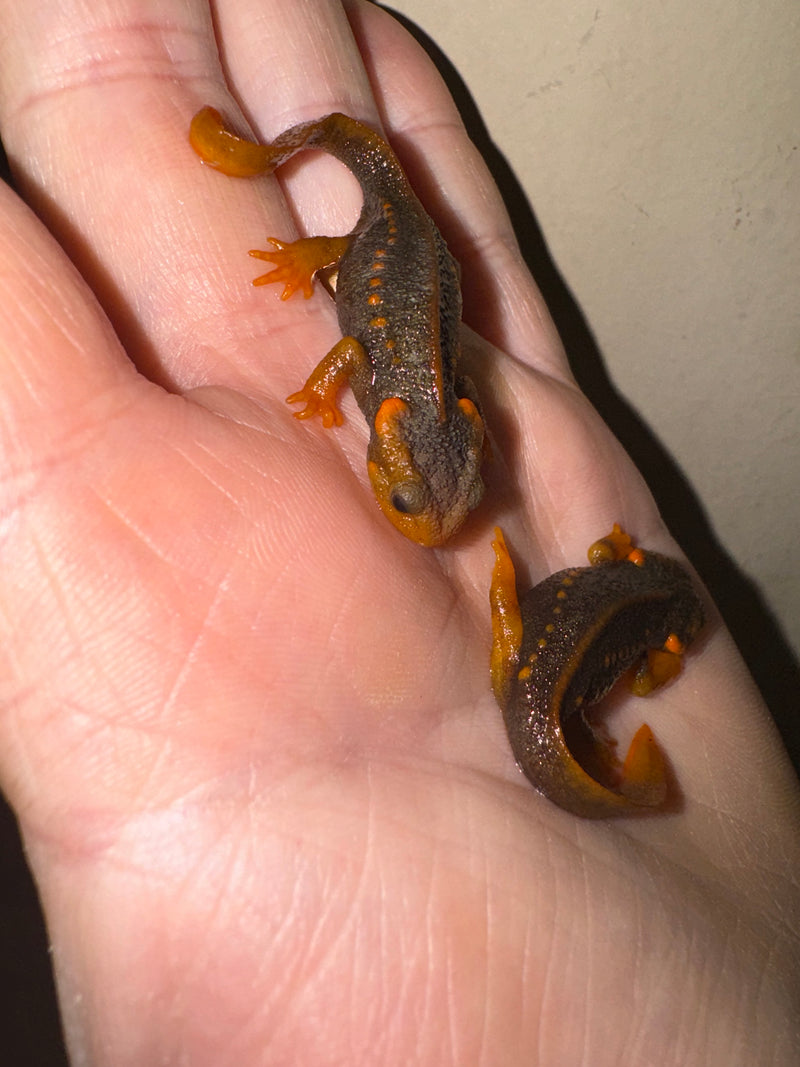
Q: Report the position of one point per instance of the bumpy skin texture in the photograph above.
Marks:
(413, 357)
(582, 629)
(398, 302)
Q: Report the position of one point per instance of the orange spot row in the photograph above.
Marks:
(561, 595)
(374, 299)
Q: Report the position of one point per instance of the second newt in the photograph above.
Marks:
(561, 647)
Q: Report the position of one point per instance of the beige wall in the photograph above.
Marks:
(657, 143)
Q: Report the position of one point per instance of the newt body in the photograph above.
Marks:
(562, 647)
(398, 303)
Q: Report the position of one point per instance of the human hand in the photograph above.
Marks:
(247, 727)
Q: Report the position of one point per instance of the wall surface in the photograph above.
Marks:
(657, 145)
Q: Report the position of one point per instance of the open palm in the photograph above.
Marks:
(246, 726)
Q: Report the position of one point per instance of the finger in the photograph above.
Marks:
(295, 63)
(60, 364)
(289, 63)
(96, 129)
(501, 300)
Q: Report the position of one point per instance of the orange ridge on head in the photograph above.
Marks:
(388, 413)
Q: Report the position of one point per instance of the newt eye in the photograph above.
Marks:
(409, 498)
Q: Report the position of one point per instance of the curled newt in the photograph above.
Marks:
(562, 647)
(398, 303)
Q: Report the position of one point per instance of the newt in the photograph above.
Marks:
(561, 647)
(398, 303)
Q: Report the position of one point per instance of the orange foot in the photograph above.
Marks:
(316, 403)
(296, 262)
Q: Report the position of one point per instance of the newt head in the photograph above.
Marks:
(425, 472)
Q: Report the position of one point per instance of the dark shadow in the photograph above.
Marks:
(755, 630)
(30, 1024)
(29, 1019)
(5, 172)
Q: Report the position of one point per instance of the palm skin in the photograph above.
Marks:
(247, 728)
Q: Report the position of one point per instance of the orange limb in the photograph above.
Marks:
(657, 668)
(296, 262)
(644, 773)
(506, 620)
(331, 373)
(220, 148)
(616, 545)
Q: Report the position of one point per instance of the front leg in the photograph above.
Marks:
(346, 358)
